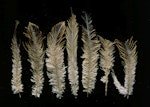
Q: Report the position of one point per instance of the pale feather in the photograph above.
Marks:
(36, 54)
(55, 61)
(17, 86)
(129, 55)
(106, 59)
(71, 46)
(90, 56)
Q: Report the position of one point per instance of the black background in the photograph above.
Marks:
(112, 19)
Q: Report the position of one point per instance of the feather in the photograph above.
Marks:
(17, 86)
(71, 45)
(55, 61)
(128, 53)
(90, 56)
(106, 59)
(122, 89)
(36, 54)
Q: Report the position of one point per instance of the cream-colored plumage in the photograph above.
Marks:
(90, 56)
(106, 59)
(17, 86)
(128, 53)
(55, 61)
(71, 46)
(36, 54)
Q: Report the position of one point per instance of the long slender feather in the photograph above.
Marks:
(17, 86)
(128, 53)
(106, 59)
(90, 48)
(55, 61)
(36, 54)
(71, 37)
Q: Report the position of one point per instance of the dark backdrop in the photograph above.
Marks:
(112, 19)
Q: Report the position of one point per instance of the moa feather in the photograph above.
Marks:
(90, 56)
(106, 59)
(128, 54)
(17, 86)
(71, 46)
(36, 54)
(55, 61)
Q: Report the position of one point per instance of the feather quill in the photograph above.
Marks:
(17, 86)
(106, 59)
(55, 61)
(36, 56)
(128, 53)
(71, 45)
(90, 56)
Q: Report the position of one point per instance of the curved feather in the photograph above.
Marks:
(55, 65)
(36, 54)
(129, 55)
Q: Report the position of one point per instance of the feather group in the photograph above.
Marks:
(98, 56)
